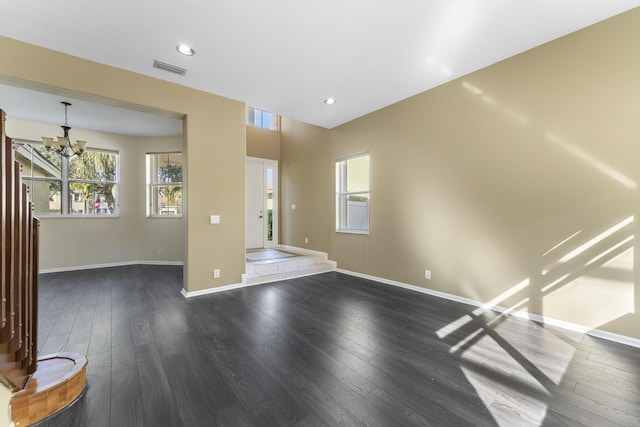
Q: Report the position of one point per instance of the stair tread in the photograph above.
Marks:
(59, 380)
(303, 263)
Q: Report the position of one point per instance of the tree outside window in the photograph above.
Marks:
(84, 185)
(164, 184)
(93, 182)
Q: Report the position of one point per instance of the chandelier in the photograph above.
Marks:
(63, 145)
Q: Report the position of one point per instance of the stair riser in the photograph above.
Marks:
(307, 263)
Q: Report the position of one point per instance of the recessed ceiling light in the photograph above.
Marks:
(185, 50)
(330, 101)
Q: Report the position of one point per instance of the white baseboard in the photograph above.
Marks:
(113, 264)
(208, 291)
(610, 336)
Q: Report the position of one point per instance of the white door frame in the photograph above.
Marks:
(270, 172)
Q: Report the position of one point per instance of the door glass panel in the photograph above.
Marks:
(269, 204)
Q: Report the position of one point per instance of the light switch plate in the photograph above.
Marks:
(215, 219)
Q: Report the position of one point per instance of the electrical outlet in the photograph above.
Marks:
(216, 273)
(306, 240)
(427, 274)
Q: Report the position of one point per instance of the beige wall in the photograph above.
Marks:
(478, 180)
(5, 407)
(306, 180)
(263, 143)
(160, 239)
(214, 147)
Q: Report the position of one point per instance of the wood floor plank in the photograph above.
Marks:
(233, 416)
(126, 408)
(624, 409)
(158, 403)
(101, 337)
(315, 385)
(255, 386)
(82, 328)
(322, 350)
(195, 381)
(397, 408)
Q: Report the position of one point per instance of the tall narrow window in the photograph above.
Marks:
(164, 184)
(92, 183)
(84, 185)
(352, 194)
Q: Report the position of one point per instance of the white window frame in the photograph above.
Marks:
(152, 183)
(273, 124)
(342, 195)
(65, 180)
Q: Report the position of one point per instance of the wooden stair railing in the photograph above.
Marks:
(19, 273)
(37, 393)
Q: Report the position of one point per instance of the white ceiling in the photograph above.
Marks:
(287, 56)
(87, 113)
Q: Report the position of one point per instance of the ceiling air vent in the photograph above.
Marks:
(168, 67)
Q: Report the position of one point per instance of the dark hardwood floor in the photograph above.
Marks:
(325, 350)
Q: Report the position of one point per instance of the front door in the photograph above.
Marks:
(261, 193)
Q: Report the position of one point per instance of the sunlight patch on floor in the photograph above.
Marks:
(552, 362)
(508, 407)
(512, 377)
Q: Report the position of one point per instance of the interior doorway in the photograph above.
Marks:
(261, 228)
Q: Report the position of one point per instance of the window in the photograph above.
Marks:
(92, 179)
(164, 185)
(84, 185)
(262, 119)
(352, 194)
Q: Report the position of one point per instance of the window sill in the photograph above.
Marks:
(164, 217)
(365, 232)
(88, 216)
